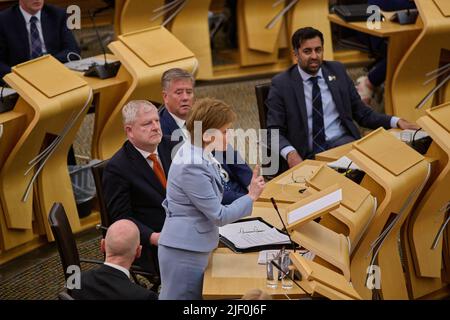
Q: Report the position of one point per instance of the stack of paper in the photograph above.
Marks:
(84, 64)
(253, 233)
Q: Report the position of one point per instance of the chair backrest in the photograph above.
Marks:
(64, 238)
(262, 91)
(97, 172)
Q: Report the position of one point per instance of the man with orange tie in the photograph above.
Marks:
(134, 180)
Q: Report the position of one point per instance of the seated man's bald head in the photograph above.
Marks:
(122, 240)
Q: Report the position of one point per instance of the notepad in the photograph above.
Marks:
(343, 163)
(252, 233)
(311, 210)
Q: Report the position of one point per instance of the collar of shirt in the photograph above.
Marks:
(180, 122)
(145, 154)
(305, 76)
(28, 16)
(120, 268)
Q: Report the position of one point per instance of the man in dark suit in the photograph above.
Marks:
(313, 104)
(30, 29)
(112, 280)
(134, 179)
(178, 96)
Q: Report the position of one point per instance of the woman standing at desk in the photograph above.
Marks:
(193, 202)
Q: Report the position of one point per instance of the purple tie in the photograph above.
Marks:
(35, 40)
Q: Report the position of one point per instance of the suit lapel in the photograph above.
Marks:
(332, 83)
(22, 32)
(168, 121)
(141, 165)
(46, 28)
(165, 156)
(297, 86)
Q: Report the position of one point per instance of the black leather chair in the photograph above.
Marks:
(65, 240)
(97, 172)
(262, 91)
(67, 247)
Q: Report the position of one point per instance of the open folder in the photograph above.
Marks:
(252, 235)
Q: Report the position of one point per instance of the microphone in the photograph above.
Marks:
(107, 70)
(7, 102)
(284, 226)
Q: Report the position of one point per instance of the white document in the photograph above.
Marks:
(314, 206)
(84, 64)
(343, 163)
(407, 135)
(252, 233)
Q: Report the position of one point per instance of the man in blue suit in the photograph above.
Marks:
(30, 29)
(178, 96)
(314, 104)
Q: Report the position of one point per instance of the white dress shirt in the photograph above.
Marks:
(180, 123)
(145, 154)
(116, 266)
(331, 120)
(27, 18)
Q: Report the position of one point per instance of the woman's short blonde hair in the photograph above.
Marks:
(212, 113)
(256, 294)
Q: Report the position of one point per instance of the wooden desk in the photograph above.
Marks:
(230, 275)
(400, 39)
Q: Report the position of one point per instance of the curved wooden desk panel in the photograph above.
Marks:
(257, 15)
(145, 80)
(425, 263)
(133, 15)
(400, 183)
(48, 108)
(14, 124)
(191, 27)
(421, 58)
(248, 10)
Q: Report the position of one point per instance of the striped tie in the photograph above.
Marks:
(35, 39)
(318, 127)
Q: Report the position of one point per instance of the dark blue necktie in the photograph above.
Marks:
(35, 40)
(318, 128)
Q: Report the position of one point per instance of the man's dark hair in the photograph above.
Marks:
(304, 34)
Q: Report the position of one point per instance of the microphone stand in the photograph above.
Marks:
(107, 70)
(284, 226)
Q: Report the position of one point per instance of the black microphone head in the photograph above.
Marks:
(274, 203)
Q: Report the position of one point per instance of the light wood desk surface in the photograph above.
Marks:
(388, 28)
(229, 275)
(98, 84)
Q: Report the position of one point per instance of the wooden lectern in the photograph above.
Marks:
(395, 175)
(144, 55)
(317, 279)
(132, 15)
(53, 102)
(422, 243)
